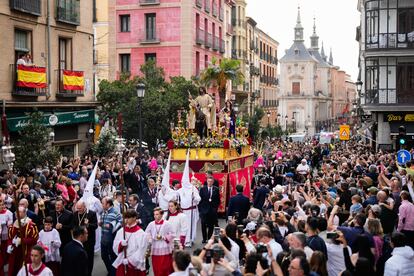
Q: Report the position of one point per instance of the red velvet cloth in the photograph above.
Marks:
(120, 271)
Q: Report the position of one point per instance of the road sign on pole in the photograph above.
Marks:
(403, 156)
(344, 132)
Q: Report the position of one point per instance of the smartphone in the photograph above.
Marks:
(216, 231)
(176, 244)
(208, 256)
(332, 235)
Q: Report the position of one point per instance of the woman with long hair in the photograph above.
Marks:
(318, 263)
(374, 227)
(178, 220)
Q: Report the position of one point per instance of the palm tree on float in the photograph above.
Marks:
(218, 75)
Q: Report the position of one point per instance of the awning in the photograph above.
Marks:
(56, 119)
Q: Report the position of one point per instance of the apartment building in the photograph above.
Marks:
(58, 77)
(268, 77)
(386, 37)
(181, 36)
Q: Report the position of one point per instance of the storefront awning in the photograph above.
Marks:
(56, 119)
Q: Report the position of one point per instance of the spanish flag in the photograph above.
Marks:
(73, 80)
(31, 76)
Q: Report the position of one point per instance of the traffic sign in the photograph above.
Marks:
(403, 156)
(344, 132)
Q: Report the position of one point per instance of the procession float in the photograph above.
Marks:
(217, 143)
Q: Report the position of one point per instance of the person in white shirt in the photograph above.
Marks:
(297, 240)
(265, 237)
(177, 220)
(36, 267)
(303, 168)
(132, 249)
(336, 262)
(21, 60)
(49, 238)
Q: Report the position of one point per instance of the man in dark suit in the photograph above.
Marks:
(145, 217)
(135, 181)
(87, 218)
(210, 174)
(150, 197)
(74, 257)
(239, 204)
(63, 222)
(210, 201)
(260, 194)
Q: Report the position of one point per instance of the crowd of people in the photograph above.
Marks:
(338, 209)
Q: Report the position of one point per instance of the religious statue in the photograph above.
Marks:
(228, 117)
(202, 114)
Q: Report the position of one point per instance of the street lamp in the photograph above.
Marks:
(140, 94)
(359, 84)
(8, 156)
(268, 118)
(286, 122)
(278, 118)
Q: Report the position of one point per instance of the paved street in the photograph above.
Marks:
(99, 267)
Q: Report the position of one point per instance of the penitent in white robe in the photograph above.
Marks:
(136, 248)
(189, 199)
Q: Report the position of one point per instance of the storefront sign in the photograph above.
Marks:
(399, 117)
(57, 119)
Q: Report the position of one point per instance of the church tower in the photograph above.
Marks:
(314, 38)
(298, 29)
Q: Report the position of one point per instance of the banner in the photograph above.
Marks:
(243, 177)
(223, 183)
(73, 80)
(31, 76)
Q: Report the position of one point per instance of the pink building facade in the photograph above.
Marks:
(182, 36)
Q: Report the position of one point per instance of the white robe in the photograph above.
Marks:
(46, 238)
(179, 224)
(136, 248)
(166, 196)
(45, 272)
(6, 219)
(190, 197)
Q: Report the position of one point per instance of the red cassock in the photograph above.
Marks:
(29, 238)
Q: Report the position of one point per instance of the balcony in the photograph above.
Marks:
(25, 88)
(222, 46)
(254, 71)
(149, 2)
(390, 41)
(200, 36)
(214, 12)
(209, 40)
(221, 14)
(388, 96)
(253, 46)
(149, 37)
(68, 11)
(229, 29)
(27, 6)
(199, 3)
(207, 6)
(216, 44)
(70, 84)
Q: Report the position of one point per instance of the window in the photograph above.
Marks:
(124, 20)
(125, 63)
(295, 88)
(22, 42)
(65, 50)
(205, 61)
(197, 64)
(405, 80)
(150, 56)
(150, 25)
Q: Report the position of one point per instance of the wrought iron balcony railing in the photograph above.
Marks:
(68, 11)
(27, 6)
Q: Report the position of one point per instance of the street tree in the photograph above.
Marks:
(33, 148)
(159, 107)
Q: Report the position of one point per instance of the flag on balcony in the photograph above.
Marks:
(73, 80)
(31, 76)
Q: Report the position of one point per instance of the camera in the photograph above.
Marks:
(261, 248)
(218, 253)
(332, 235)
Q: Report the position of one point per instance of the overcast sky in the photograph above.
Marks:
(336, 22)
